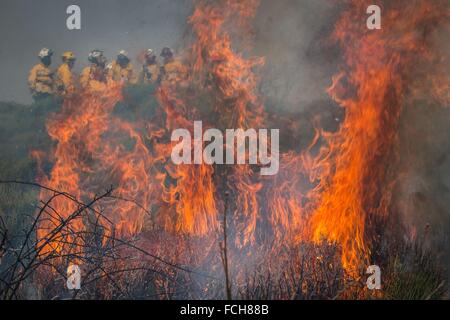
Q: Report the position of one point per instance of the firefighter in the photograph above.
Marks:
(95, 76)
(122, 69)
(173, 70)
(65, 74)
(150, 69)
(41, 78)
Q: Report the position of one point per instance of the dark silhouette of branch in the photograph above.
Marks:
(224, 250)
(60, 244)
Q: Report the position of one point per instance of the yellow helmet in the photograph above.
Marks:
(68, 55)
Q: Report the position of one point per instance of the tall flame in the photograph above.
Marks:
(355, 178)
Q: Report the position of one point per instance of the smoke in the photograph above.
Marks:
(292, 36)
(425, 180)
(423, 194)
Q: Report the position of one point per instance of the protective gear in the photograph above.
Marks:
(150, 57)
(96, 75)
(123, 54)
(166, 53)
(68, 55)
(65, 79)
(123, 73)
(150, 73)
(150, 54)
(41, 78)
(150, 70)
(173, 72)
(96, 56)
(44, 53)
(122, 69)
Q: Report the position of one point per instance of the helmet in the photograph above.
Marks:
(94, 55)
(166, 52)
(123, 54)
(44, 53)
(149, 53)
(68, 55)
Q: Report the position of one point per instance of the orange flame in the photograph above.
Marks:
(354, 177)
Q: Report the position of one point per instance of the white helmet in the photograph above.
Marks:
(45, 53)
(94, 55)
(149, 53)
(123, 53)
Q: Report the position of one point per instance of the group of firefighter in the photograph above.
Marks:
(45, 82)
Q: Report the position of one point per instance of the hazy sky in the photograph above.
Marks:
(28, 25)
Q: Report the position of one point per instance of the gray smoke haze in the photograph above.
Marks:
(424, 190)
(26, 26)
(289, 34)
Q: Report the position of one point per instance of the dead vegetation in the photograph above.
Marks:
(117, 268)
